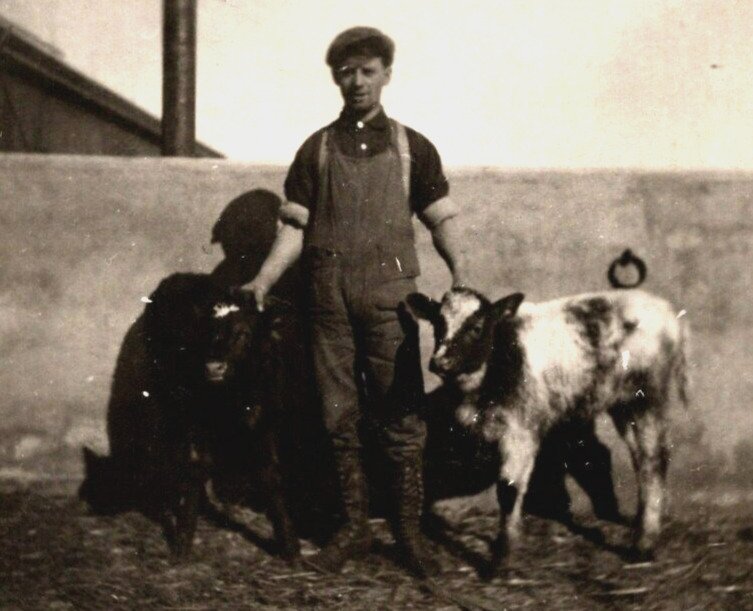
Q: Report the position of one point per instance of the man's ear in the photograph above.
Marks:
(422, 306)
(336, 74)
(388, 73)
(508, 306)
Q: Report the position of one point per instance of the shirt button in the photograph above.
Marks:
(363, 146)
(359, 125)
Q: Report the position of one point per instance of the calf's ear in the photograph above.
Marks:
(508, 306)
(422, 306)
(92, 461)
(283, 305)
(242, 298)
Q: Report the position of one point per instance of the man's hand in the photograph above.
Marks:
(285, 250)
(259, 288)
(448, 240)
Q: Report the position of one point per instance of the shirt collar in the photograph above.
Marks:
(378, 122)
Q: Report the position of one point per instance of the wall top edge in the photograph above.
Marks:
(60, 160)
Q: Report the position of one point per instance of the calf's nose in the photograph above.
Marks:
(216, 370)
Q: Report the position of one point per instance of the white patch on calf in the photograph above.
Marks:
(456, 308)
(223, 309)
(518, 447)
(471, 382)
(440, 351)
(657, 323)
(557, 361)
(466, 415)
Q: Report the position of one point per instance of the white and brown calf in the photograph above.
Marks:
(525, 366)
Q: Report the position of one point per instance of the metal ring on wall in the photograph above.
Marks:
(626, 259)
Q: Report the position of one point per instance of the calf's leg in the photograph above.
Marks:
(547, 494)
(518, 448)
(186, 516)
(651, 438)
(277, 509)
(590, 463)
(192, 476)
(644, 432)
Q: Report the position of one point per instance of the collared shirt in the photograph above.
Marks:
(355, 138)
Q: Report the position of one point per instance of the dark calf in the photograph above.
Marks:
(213, 404)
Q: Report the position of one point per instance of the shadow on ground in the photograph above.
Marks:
(54, 555)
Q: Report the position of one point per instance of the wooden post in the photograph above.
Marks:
(178, 78)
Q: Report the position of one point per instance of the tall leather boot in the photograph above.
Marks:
(353, 539)
(409, 494)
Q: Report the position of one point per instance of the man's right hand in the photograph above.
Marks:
(285, 250)
(259, 288)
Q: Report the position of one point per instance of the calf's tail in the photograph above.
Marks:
(680, 365)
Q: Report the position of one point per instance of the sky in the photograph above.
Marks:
(665, 84)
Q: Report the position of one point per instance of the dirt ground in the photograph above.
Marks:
(55, 555)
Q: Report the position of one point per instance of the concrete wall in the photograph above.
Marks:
(86, 238)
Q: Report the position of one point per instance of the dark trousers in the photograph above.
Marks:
(365, 345)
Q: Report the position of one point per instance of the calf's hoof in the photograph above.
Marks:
(290, 552)
(636, 554)
(502, 551)
(181, 551)
(643, 549)
(497, 567)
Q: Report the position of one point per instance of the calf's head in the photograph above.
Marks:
(241, 339)
(231, 329)
(464, 325)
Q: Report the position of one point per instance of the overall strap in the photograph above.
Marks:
(324, 155)
(323, 152)
(403, 150)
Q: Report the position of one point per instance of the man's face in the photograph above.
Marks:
(360, 80)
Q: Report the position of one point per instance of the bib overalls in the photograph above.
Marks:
(361, 257)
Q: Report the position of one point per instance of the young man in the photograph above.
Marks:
(352, 191)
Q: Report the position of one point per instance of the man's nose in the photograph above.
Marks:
(358, 78)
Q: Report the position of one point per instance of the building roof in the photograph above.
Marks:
(25, 54)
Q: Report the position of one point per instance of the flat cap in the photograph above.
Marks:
(360, 40)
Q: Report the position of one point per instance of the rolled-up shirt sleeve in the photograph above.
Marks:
(294, 214)
(438, 211)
